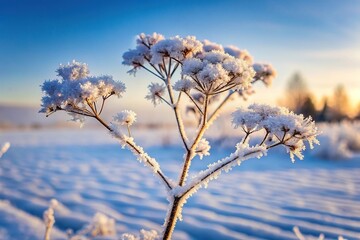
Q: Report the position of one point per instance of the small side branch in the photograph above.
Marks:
(140, 154)
(221, 106)
(214, 170)
(193, 100)
(177, 112)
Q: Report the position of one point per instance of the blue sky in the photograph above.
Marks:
(318, 38)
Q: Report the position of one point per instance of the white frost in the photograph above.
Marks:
(125, 117)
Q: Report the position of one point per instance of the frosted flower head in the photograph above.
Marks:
(184, 85)
(74, 94)
(247, 119)
(214, 72)
(156, 91)
(203, 148)
(73, 71)
(125, 117)
(135, 57)
(290, 129)
(264, 72)
(101, 225)
(138, 56)
(177, 48)
(148, 40)
(237, 53)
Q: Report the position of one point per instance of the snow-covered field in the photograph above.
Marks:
(88, 172)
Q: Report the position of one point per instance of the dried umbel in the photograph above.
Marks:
(208, 76)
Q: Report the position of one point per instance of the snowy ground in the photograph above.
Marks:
(88, 173)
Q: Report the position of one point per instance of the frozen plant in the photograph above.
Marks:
(101, 225)
(5, 147)
(196, 76)
(49, 218)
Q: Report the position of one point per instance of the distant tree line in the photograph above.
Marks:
(300, 100)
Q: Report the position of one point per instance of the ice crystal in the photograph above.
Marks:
(203, 148)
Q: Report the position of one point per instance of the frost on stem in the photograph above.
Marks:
(203, 148)
(137, 151)
(242, 153)
(49, 218)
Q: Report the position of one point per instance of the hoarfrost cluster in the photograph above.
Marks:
(282, 127)
(77, 92)
(125, 117)
(209, 74)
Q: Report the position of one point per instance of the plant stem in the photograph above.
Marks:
(177, 113)
(138, 150)
(47, 233)
(191, 152)
(172, 218)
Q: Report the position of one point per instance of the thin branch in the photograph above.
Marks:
(102, 105)
(140, 152)
(191, 152)
(164, 100)
(246, 137)
(220, 107)
(95, 107)
(174, 69)
(193, 100)
(177, 113)
(207, 175)
(265, 137)
(162, 78)
(157, 70)
(164, 66)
